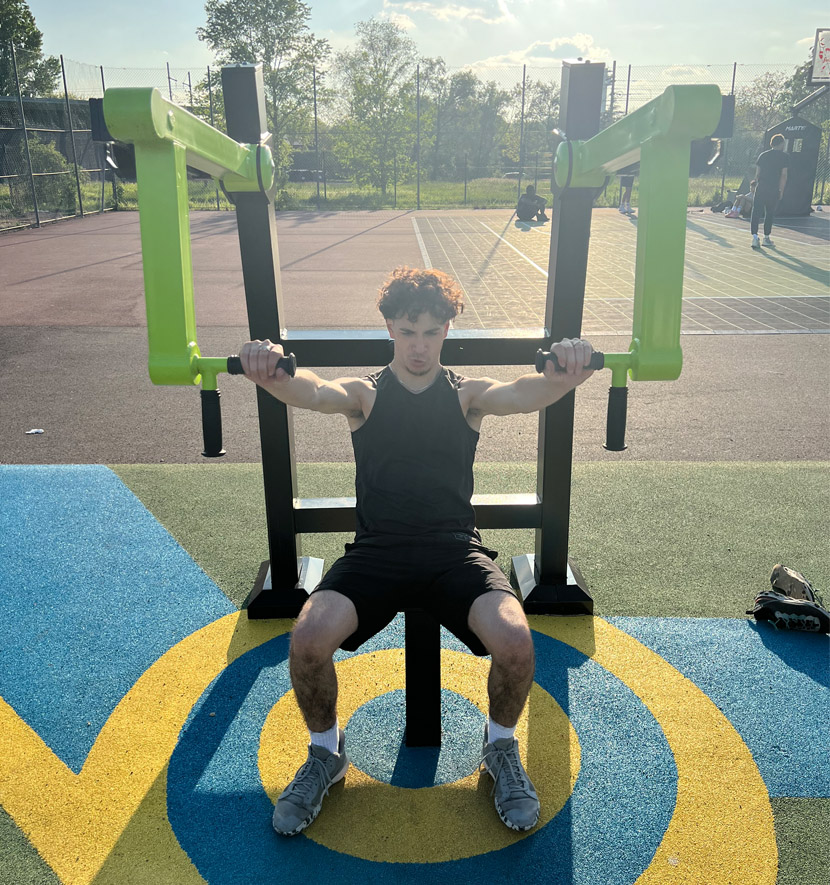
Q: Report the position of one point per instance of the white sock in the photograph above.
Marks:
(330, 739)
(496, 732)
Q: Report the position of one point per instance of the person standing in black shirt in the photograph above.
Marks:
(771, 175)
(414, 426)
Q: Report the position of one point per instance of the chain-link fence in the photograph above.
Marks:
(470, 137)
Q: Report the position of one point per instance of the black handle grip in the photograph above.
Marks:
(597, 360)
(288, 363)
(615, 422)
(212, 424)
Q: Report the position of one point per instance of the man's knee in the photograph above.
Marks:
(512, 648)
(326, 620)
(499, 621)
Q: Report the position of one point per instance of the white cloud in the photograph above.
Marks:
(542, 53)
(397, 18)
(492, 13)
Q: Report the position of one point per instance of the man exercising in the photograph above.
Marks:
(415, 426)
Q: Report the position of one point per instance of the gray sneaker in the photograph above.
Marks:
(300, 802)
(515, 798)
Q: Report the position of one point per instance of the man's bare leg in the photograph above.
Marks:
(499, 621)
(325, 621)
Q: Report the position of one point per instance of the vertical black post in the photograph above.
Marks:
(521, 135)
(104, 164)
(423, 679)
(316, 140)
(395, 179)
(72, 138)
(25, 135)
(465, 179)
(169, 82)
(627, 90)
(418, 137)
(280, 592)
(550, 584)
(190, 90)
(212, 122)
(613, 88)
(723, 148)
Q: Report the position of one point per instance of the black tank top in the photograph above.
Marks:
(414, 462)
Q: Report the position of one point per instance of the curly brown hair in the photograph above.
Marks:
(411, 291)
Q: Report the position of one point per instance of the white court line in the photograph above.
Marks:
(422, 245)
(541, 271)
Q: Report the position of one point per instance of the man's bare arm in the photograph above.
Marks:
(530, 393)
(305, 390)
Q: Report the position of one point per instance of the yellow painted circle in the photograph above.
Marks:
(380, 822)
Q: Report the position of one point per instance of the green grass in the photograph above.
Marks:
(668, 539)
(480, 193)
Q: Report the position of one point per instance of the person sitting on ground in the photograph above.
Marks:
(531, 206)
(414, 427)
(743, 203)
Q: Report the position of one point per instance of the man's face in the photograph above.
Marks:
(418, 343)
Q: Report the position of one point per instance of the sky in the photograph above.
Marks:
(538, 33)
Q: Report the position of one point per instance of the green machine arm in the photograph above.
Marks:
(659, 136)
(167, 140)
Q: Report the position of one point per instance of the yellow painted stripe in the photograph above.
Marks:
(112, 816)
(722, 828)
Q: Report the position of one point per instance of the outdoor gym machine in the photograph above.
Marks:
(167, 139)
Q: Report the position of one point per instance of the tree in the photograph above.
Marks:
(37, 74)
(764, 102)
(376, 85)
(274, 33)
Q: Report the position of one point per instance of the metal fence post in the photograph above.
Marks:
(25, 134)
(418, 137)
(627, 90)
(169, 82)
(104, 163)
(316, 139)
(212, 123)
(72, 139)
(465, 179)
(521, 135)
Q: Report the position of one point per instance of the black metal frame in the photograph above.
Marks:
(548, 583)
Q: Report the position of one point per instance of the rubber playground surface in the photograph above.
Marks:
(146, 727)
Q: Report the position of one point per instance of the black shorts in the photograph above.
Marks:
(443, 578)
(627, 180)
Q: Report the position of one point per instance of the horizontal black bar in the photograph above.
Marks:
(371, 347)
(492, 512)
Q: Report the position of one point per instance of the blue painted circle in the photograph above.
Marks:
(607, 832)
(376, 742)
